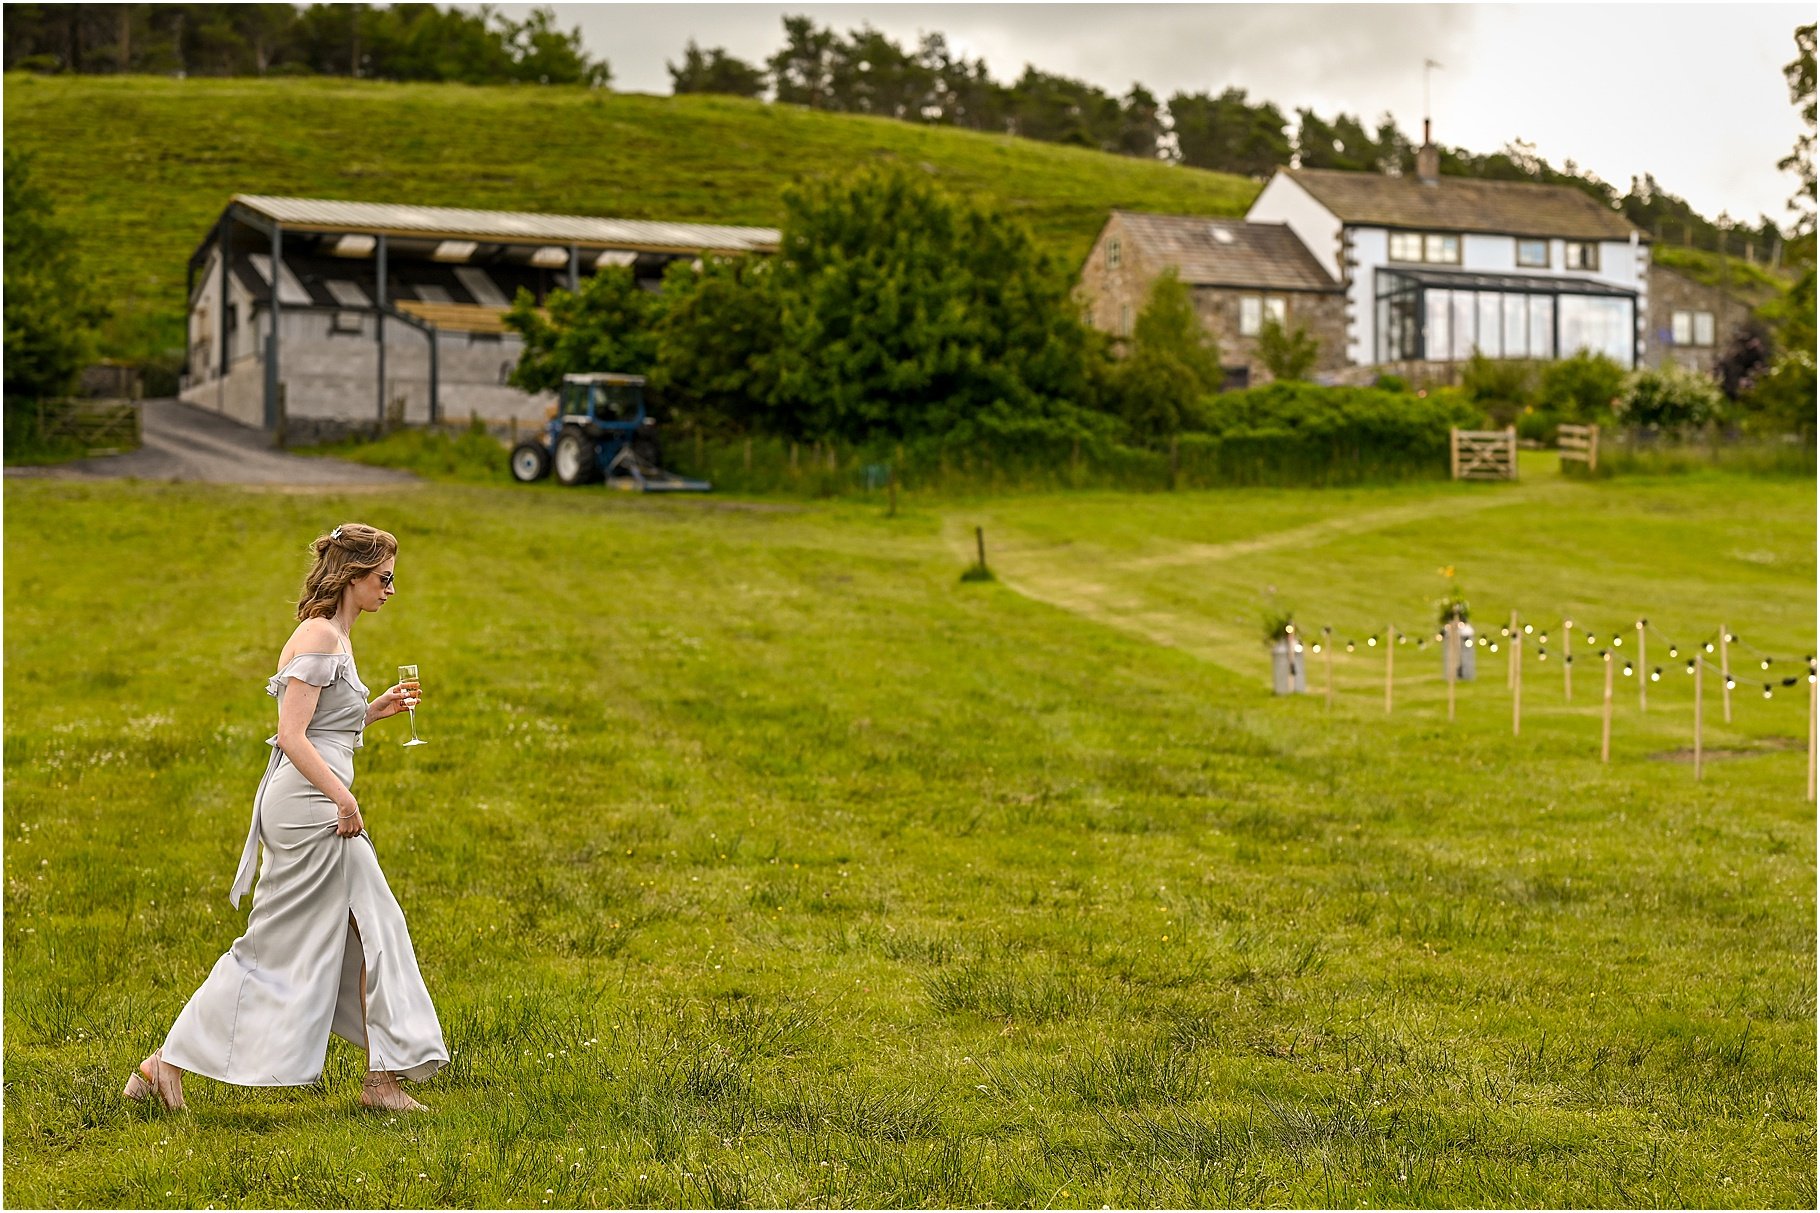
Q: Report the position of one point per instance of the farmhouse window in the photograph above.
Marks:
(1437, 248)
(1124, 320)
(1692, 328)
(1115, 254)
(1254, 310)
(1532, 254)
(1581, 255)
(347, 322)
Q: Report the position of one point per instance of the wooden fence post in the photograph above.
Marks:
(1813, 697)
(1567, 657)
(1453, 453)
(1451, 632)
(1510, 658)
(1725, 670)
(1605, 728)
(1642, 666)
(1699, 681)
(1390, 664)
(1516, 683)
(979, 533)
(1327, 652)
(1510, 432)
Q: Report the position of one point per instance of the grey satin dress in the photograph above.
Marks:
(263, 1016)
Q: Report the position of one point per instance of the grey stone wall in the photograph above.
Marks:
(1670, 292)
(1322, 314)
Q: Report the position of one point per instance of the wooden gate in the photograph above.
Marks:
(101, 427)
(1579, 442)
(1485, 454)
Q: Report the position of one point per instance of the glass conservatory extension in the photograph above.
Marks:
(1443, 316)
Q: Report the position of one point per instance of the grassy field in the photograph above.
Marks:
(757, 859)
(142, 166)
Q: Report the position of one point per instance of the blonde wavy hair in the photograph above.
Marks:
(344, 555)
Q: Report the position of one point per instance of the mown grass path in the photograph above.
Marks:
(756, 859)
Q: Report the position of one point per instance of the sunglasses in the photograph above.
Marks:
(385, 579)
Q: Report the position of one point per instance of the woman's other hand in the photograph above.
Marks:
(348, 821)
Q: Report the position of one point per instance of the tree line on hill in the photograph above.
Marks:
(391, 42)
(862, 72)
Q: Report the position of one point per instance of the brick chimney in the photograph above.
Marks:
(1428, 158)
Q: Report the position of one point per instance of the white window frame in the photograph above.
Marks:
(1276, 308)
(1115, 254)
(1580, 255)
(1543, 264)
(1124, 320)
(1397, 238)
(1705, 330)
(1681, 328)
(1251, 315)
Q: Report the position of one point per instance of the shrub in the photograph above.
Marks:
(1287, 354)
(1581, 388)
(1172, 363)
(1501, 388)
(1289, 432)
(1670, 399)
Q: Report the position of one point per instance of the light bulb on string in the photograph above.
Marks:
(1503, 631)
(1542, 655)
(1569, 659)
(1372, 641)
(1544, 638)
(1766, 691)
(1730, 639)
(1349, 646)
(1690, 667)
(1709, 646)
(1627, 670)
(1673, 652)
(1730, 683)
(1591, 639)
(1494, 648)
(1655, 675)
(1317, 646)
(1766, 663)
(1529, 629)
(1617, 641)
(1289, 629)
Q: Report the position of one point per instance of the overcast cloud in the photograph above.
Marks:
(1690, 92)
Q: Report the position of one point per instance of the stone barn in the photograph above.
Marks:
(324, 317)
(1239, 274)
(1690, 322)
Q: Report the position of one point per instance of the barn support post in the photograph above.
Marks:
(381, 304)
(271, 345)
(223, 246)
(574, 268)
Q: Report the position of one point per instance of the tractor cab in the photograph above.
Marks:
(599, 430)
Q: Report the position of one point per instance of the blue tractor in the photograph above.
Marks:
(599, 431)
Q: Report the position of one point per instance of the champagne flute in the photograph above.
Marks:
(407, 679)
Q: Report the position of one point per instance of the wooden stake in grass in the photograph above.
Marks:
(1605, 728)
(1813, 698)
(1642, 665)
(1327, 652)
(1390, 664)
(1516, 683)
(1567, 657)
(1699, 696)
(1452, 632)
(1510, 660)
(979, 572)
(1725, 670)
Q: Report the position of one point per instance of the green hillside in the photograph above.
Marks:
(143, 165)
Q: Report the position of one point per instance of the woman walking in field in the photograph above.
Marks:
(325, 948)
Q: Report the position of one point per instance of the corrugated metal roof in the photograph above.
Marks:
(1462, 204)
(1228, 252)
(518, 227)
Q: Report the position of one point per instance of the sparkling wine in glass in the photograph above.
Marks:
(407, 678)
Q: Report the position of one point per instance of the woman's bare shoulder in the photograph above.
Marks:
(315, 635)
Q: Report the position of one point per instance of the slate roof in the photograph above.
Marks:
(1462, 204)
(1228, 252)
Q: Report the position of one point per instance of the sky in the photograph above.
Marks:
(1692, 93)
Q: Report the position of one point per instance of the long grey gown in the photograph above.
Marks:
(263, 1016)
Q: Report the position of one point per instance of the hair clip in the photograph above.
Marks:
(335, 534)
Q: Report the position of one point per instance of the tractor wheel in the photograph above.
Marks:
(530, 461)
(649, 455)
(577, 461)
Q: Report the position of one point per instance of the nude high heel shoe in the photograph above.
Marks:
(142, 1086)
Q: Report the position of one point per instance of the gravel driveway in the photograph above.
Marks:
(182, 442)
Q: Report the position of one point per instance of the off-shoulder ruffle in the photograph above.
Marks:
(317, 669)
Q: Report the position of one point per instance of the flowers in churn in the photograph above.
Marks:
(1451, 607)
(1279, 626)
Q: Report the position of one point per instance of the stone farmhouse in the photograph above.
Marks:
(324, 317)
(1410, 274)
(1690, 322)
